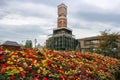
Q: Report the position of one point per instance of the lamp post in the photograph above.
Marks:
(35, 42)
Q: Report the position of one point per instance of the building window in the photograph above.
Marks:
(94, 41)
(91, 42)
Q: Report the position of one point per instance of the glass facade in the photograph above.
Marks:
(62, 42)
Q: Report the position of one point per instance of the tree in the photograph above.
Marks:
(28, 44)
(109, 43)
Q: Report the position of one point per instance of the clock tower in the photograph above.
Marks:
(62, 38)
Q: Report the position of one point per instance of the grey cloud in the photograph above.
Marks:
(23, 31)
(108, 17)
(117, 26)
(31, 30)
(7, 34)
(95, 14)
(2, 3)
(3, 13)
(19, 7)
(30, 13)
(79, 26)
(46, 2)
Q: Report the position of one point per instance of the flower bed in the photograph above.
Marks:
(54, 65)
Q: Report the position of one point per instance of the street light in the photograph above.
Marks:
(35, 42)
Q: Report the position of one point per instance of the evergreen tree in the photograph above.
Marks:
(28, 44)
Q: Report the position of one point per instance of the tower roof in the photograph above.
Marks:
(62, 5)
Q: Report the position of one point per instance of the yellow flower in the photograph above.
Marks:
(11, 70)
(44, 62)
(9, 62)
(21, 69)
(38, 71)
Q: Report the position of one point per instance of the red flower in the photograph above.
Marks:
(12, 77)
(2, 56)
(51, 51)
(82, 72)
(87, 75)
(48, 62)
(32, 73)
(44, 78)
(29, 53)
(37, 75)
(56, 68)
(22, 73)
(33, 59)
(63, 77)
(79, 54)
(1, 51)
(73, 78)
(61, 71)
(35, 78)
(4, 65)
(84, 68)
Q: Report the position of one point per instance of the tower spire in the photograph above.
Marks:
(62, 16)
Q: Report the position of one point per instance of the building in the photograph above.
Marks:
(91, 43)
(62, 38)
(10, 45)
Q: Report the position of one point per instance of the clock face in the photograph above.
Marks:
(62, 22)
(62, 11)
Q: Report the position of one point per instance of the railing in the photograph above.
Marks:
(62, 34)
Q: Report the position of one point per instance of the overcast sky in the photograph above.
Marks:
(21, 20)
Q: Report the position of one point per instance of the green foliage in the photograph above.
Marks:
(28, 44)
(108, 44)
